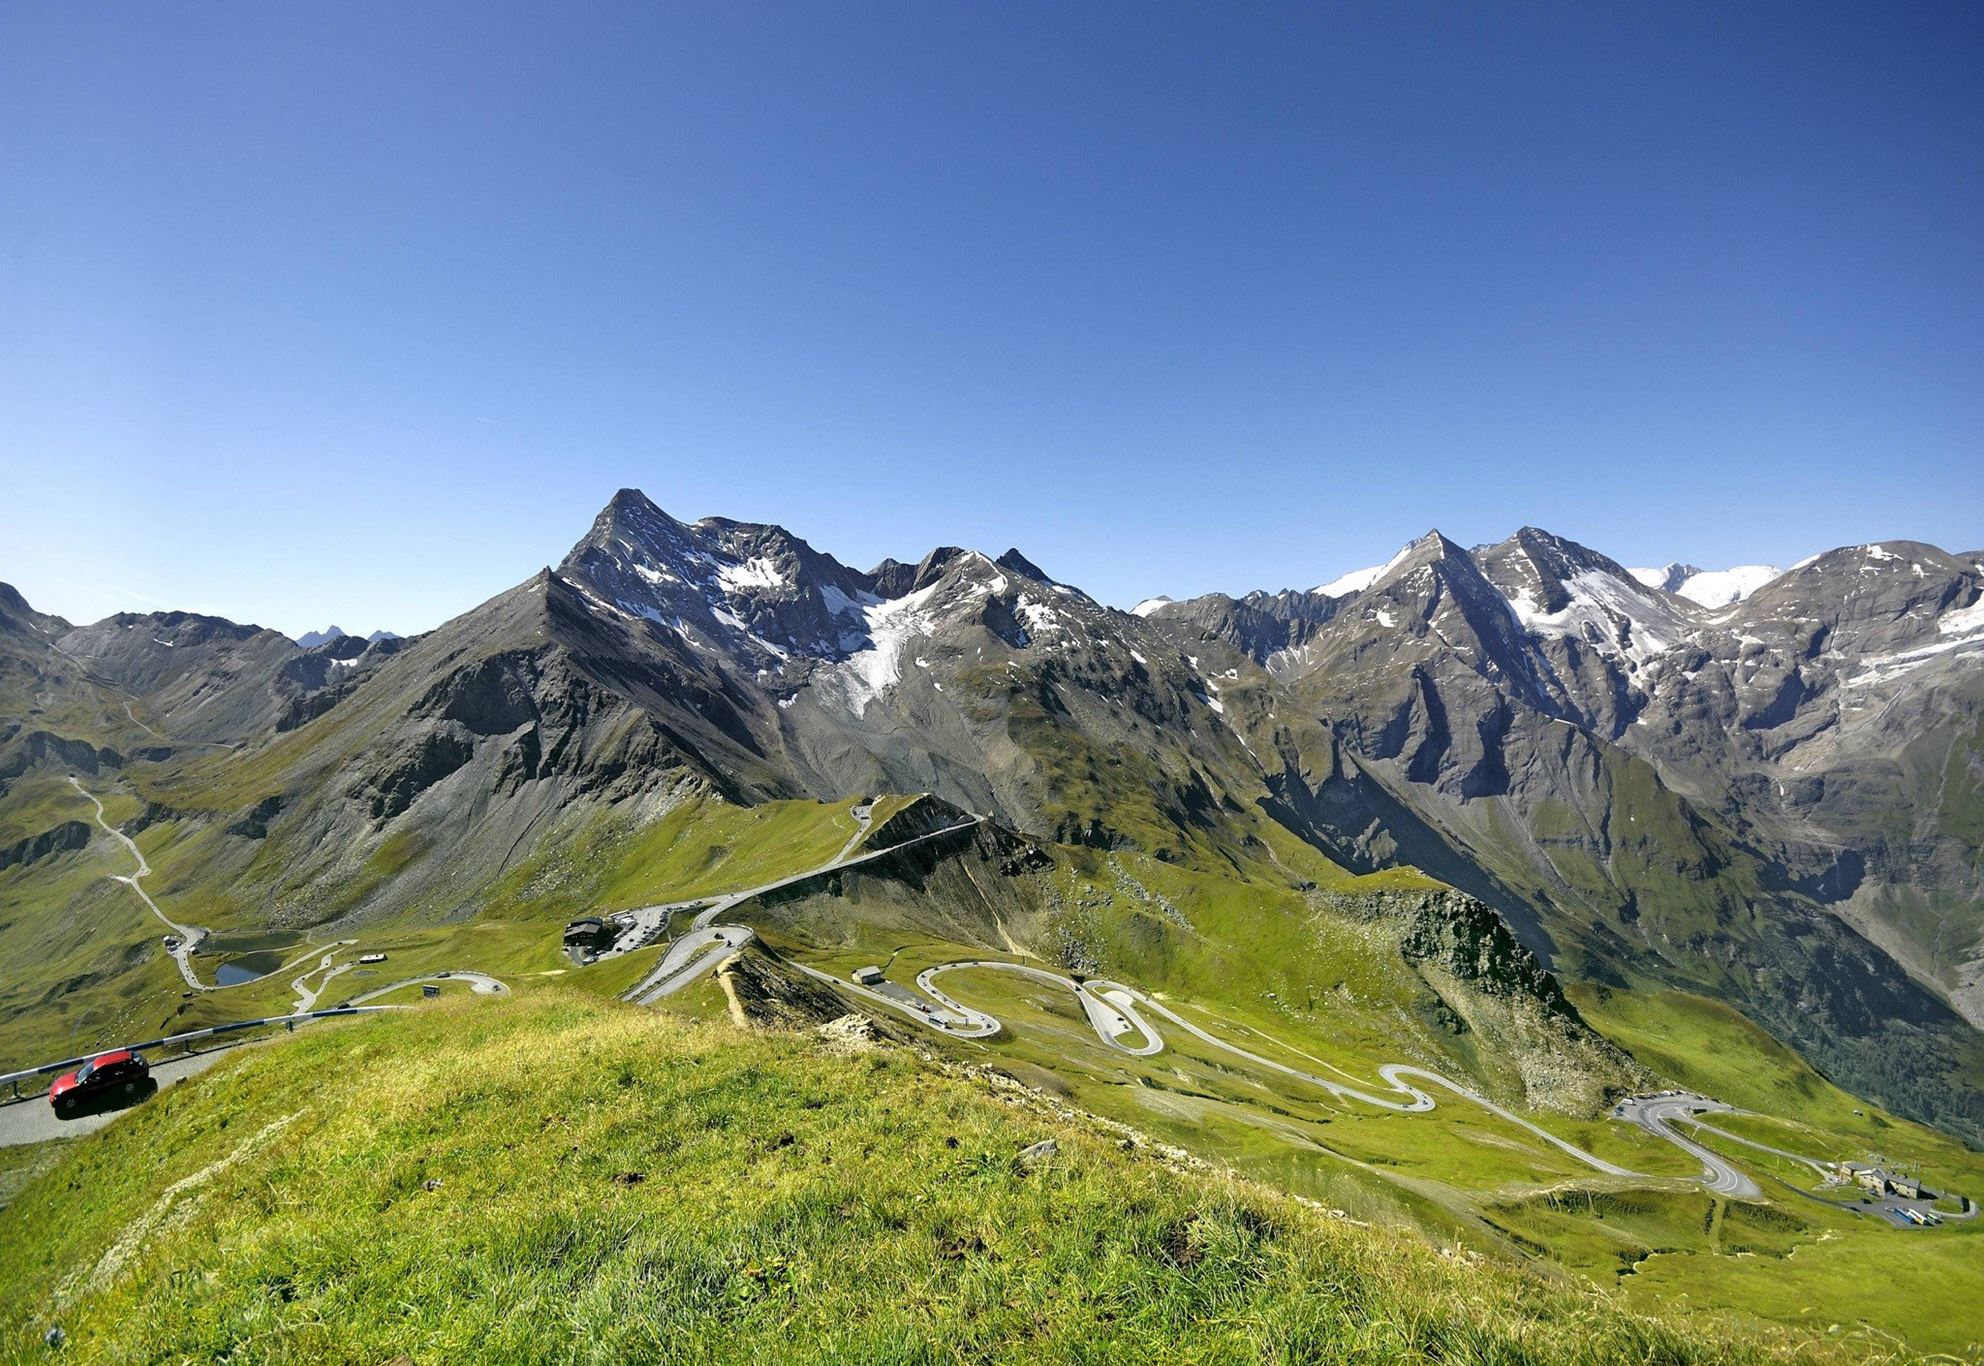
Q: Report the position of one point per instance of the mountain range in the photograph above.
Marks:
(1762, 788)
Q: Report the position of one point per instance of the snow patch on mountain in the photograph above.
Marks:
(1885, 668)
(1606, 612)
(1720, 587)
(1039, 617)
(1357, 580)
(1712, 588)
(868, 673)
(756, 572)
(1149, 605)
(1964, 621)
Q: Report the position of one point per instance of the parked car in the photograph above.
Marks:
(122, 1072)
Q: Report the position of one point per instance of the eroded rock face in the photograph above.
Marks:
(761, 990)
(69, 835)
(1489, 991)
(27, 749)
(1460, 935)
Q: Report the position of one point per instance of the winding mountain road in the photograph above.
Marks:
(1121, 1015)
(1821, 1167)
(480, 983)
(690, 955)
(1656, 1115)
(189, 935)
(1114, 1011)
(307, 990)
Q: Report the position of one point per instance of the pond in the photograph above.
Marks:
(247, 968)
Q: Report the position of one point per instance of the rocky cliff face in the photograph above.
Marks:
(55, 840)
(1507, 1013)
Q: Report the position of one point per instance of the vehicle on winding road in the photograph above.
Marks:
(123, 1072)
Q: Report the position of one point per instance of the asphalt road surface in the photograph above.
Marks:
(1115, 1012)
(33, 1120)
(1657, 1115)
(481, 983)
(690, 956)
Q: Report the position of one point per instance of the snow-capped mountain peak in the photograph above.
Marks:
(1357, 580)
(1712, 588)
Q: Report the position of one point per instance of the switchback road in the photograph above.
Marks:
(689, 957)
(1656, 1115)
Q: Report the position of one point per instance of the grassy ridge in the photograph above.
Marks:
(552, 1178)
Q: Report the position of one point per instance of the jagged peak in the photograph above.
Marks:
(1562, 554)
(1020, 564)
(934, 565)
(1434, 548)
(633, 499)
(630, 517)
(12, 601)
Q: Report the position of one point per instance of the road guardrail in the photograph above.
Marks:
(14, 1079)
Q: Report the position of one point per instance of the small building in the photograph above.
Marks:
(1879, 1181)
(869, 976)
(587, 929)
(372, 958)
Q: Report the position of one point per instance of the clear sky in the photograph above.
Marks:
(359, 312)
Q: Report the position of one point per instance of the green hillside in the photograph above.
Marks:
(553, 1178)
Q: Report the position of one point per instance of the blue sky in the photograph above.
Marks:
(360, 311)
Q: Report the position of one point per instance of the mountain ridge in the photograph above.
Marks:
(1642, 786)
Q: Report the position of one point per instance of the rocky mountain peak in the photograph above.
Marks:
(17, 615)
(1020, 564)
(932, 566)
(750, 588)
(1552, 582)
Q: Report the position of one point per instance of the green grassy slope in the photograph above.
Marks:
(93, 972)
(550, 1178)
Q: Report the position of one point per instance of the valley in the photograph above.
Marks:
(1501, 896)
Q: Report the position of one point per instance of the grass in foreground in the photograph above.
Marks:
(554, 1178)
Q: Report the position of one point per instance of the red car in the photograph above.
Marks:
(120, 1073)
